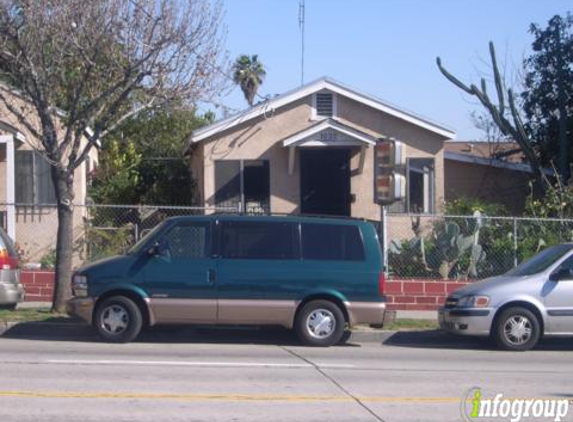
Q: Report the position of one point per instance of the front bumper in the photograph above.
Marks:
(466, 321)
(371, 313)
(81, 307)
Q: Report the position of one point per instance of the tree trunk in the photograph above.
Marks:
(64, 240)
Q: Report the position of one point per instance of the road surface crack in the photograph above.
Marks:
(334, 382)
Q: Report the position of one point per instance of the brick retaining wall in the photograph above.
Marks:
(418, 295)
(39, 285)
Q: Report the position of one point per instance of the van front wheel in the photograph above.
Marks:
(517, 329)
(320, 323)
(118, 319)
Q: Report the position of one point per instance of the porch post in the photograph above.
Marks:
(384, 226)
(291, 158)
(10, 186)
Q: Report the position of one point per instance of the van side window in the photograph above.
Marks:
(258, 240)
(332, 242)
(188, 241)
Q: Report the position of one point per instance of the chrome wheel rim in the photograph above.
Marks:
(114, 319)
(518, 330)
(320, 323)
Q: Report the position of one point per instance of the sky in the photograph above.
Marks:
(387, 48)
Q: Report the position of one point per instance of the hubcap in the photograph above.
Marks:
(518, 330)
(320, 323)
(114, 319)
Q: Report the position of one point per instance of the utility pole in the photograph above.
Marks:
(301, 13)
(561, 101)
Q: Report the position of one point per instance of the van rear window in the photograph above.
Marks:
(258, 240)
(332, 242)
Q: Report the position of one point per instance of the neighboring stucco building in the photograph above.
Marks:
(493, 172)
(311, 151)
(27, 195)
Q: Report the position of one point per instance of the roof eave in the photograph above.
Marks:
(309, 89)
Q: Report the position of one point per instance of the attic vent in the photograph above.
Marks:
(324, 105)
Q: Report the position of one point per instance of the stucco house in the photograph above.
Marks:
(494, 172)
(27, 195)
(311, 150)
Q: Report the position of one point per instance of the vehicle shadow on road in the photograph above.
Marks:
(162, 334)
(436, 339)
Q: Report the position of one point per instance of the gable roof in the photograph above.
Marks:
(309, 89)
(328, 124)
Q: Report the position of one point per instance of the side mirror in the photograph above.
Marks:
(562, 274)
(159, 249)
(153, 250)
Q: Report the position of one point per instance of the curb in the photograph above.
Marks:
(39, 330)
(80, 331)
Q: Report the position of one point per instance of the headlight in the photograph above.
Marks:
(80, 285)
(473, 302)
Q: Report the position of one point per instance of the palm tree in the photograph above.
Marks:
(249, 74)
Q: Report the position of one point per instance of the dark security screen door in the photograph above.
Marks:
(325, 181)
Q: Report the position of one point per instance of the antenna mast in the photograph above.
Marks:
(301, 11)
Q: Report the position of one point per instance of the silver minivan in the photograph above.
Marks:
(11, 290)
(533, 300)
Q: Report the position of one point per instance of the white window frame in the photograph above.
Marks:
(429, 186)
(315, 116)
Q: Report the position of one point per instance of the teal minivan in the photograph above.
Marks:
(314, 275)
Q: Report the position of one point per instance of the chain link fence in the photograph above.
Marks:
(99, 230)
(466, 247)
(418, 246)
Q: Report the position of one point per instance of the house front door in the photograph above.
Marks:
(325, 181)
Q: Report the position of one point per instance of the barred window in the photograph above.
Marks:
(34, 183)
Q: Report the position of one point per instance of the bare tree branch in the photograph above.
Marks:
(102, 62)
(513, 129)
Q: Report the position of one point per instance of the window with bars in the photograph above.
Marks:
(243, 184)
(33, 179)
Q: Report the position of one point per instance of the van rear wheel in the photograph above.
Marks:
(320, 323)
(118, 319)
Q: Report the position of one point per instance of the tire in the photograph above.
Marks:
(118, 319)
(517, 329)
(320, 323)
(10, 307)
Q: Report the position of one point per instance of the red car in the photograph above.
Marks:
(11, 290)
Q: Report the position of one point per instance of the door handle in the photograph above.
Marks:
(211, 276)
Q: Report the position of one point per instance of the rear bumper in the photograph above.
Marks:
(81, 307)
(470, 322)
(371, 313)
(11, 291)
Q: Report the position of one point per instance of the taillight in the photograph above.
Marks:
(6, 261)
(381, 282)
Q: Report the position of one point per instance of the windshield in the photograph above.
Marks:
(541, 261)
(143, 241)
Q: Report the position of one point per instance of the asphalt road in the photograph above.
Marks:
(240, 376)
